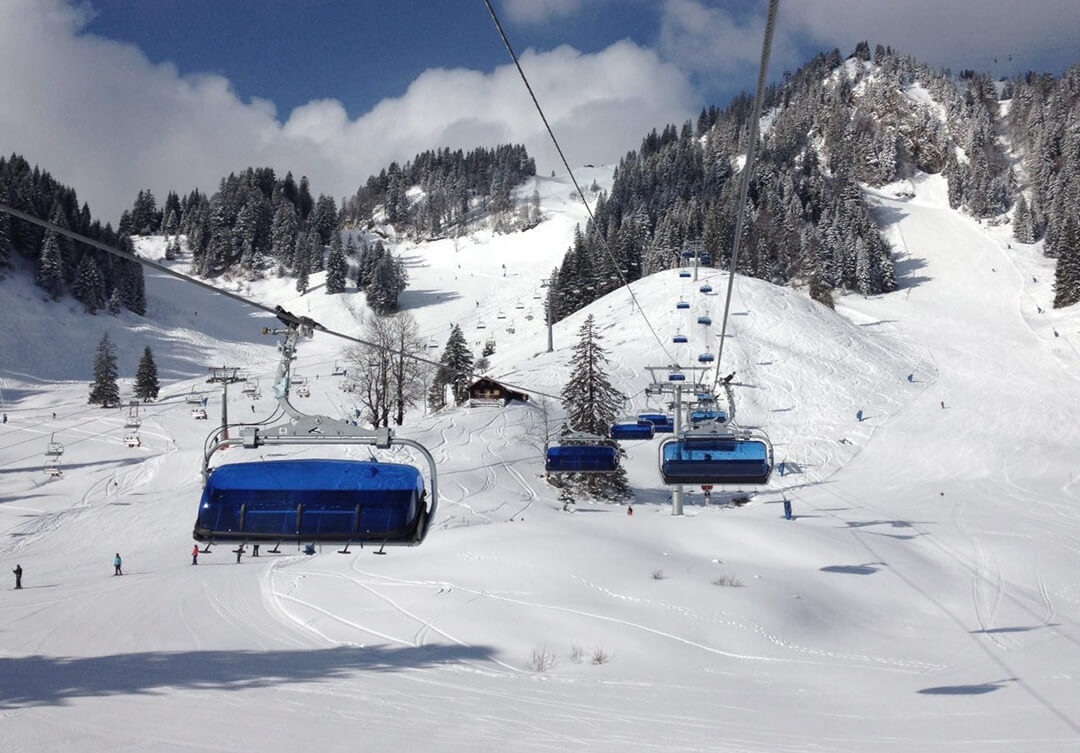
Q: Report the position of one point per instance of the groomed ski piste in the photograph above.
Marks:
(926, 595)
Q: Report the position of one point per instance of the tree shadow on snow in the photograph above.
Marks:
(416, 299)
(976, 689)
(55, 680)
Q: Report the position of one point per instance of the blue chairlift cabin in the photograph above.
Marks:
(682, 305)
(716, 455)
(676, 376)
(582, 453)
(632, 428)
(706, 288)
(706, 320)
(679, 339)
(684, 273)
(701, 416)
(688, 254)
(333, 501)
(705, 259)
(661, 422)
(706, 358)
(704, 398)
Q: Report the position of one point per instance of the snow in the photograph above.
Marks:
(924, 597)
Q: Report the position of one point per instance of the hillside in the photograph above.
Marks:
(924, 596)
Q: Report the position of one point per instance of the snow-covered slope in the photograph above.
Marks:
(925, 596)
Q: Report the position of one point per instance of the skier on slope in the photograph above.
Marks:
(117, 562)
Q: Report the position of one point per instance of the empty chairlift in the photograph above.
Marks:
(679, 339)
(314, 501)
(582, 453)
(632, 428)
(682, 305)
(132, 421)
(705, 259)
(716, 455)
(662, 423)
(706, 288)
(339, 370)
(676, 376)
(706, 320)
(706, 358)
(705, 416)
(194, 398)
(684, 273)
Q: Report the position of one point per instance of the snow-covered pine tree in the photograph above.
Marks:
(302, 264)
(116, 303)
(591, 403)
(456, 365)
(89, 286)
(388, 280)
(283, 234)
(146, 378)
(1067, 273)
(50, 275)
(337, 268)
(5, 242)
(105, 391)
(1023, 222)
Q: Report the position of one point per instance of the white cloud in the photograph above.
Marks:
(104, 119)
(710, 41)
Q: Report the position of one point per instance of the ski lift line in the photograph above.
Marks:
(577, 187)
(275, 311)
(744, 184)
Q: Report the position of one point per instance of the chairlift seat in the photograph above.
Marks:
(581, 458)
(706, 358)
(705, 288)
(303, 392)
(676, 377)
(707, 321)
(198, 413)
(331, 501)
(684, 273)
(632, 429)
(705, 259)
(132, 440)
(53, 471)
(661, 422)
(679, 339)
(682, 305)
(701, 416)
(715, 460)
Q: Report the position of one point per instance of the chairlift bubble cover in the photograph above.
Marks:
(715, 460)
(635, 430)
(312, 500)
(581, 459)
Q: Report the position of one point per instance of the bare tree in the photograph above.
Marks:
(370, 366)
(389, 381)
(408, 375)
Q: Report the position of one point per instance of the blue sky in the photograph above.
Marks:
(113, 96)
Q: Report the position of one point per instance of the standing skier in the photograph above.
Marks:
(195, 554)
(18, 576)
(117, 562)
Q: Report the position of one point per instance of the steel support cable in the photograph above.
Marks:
(744, 187)
(275, 312)
(577, 187)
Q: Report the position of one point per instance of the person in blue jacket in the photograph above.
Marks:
(117, 562)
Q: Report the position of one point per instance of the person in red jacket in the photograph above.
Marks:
(195, 554)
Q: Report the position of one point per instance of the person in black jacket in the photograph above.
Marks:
(18, 576)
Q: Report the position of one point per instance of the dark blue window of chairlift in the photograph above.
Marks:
(682, 305)
(679, 339)
(632, 430)
(661, 422)
(311, 500)
(705, 288)
(684, 273)
(581, 459)
(715, 461)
